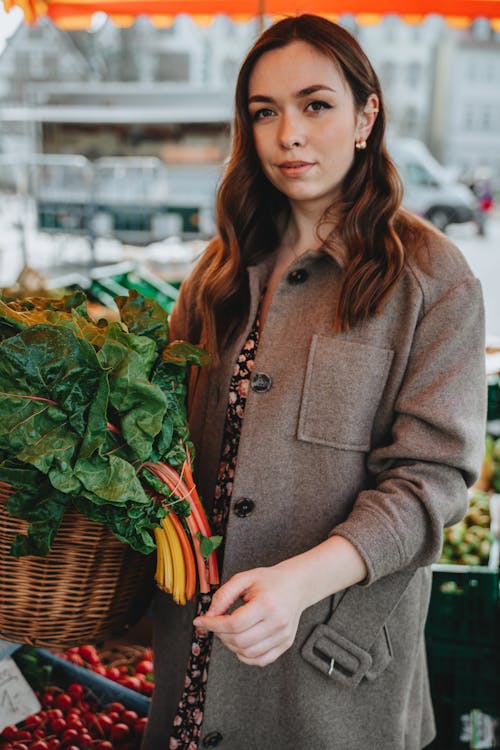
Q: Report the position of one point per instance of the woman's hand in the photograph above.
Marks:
(264, 626)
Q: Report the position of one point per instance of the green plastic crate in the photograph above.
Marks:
(493, 397)
(464, 606)
(163, 292)
(106, 288)
(465, 687)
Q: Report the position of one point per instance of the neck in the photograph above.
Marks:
(300, 237)
(301, 233)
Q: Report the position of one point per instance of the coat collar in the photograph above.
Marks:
(259, 272)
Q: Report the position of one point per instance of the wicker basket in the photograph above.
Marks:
(91, 586)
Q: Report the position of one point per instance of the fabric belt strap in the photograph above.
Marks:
(364, 609)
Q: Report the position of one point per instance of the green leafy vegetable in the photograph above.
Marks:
(208, 544)
(82, 407)
(144, 317)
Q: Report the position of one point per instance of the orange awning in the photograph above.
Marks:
(77, 14)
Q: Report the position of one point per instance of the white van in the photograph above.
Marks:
(430, 190)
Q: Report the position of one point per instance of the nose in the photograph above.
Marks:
(291, 133)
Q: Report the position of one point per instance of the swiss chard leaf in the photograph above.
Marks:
(139, 402)
(38, 539)
(51, 362)
(36, 501)
(170, 377)
(208, 543)
(145, 317)
(170, 374)
(96, 437)
(129, 523)
(63, 380)
(183, 353)
(109, 479)
(74, 301)
(20, 314)
(83, 327)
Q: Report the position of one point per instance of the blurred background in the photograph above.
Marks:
(112, 140)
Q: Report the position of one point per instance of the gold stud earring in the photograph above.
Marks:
(361, 144)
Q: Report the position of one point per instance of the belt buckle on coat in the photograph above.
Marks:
(336, 656)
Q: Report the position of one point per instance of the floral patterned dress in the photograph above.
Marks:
(188, 720)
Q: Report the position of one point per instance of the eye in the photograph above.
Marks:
(317, 105)
(261, 114)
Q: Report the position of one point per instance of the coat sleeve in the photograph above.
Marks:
(437, 444)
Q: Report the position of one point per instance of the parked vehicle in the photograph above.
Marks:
(430, 189)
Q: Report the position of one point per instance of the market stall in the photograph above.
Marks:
(78, 13)
(95, 684)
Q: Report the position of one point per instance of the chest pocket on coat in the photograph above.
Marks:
(342, 390)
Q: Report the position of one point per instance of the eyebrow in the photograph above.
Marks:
(300, 94)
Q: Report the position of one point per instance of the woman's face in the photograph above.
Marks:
(304, 123)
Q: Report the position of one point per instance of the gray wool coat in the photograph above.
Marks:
(374, 435)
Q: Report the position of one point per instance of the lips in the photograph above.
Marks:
(295, 168)
(294, 164)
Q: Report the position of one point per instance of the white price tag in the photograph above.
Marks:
(479, 730)
(17, 699)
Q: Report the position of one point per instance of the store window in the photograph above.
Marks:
(410, 121)
(388, 73)
(469, 119)
(413, 73)
(172, 66)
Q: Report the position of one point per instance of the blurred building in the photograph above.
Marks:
(404, 57)
(168, 92)
(442, 86)
(148, 91)
(465, 127)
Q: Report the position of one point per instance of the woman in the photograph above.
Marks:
(338, 324)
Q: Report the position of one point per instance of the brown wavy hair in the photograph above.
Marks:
(250, 210)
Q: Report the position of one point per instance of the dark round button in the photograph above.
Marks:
(212, 739)
(298, 276)
(243, 507)
(260, 382)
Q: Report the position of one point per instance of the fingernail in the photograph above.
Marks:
(197, 622)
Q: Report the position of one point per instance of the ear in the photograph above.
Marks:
(366, 118)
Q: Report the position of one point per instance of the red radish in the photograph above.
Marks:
(63, 701)
(140, 725)
(120, 732)
(75, 690)
(89, 653)
(129, 717)
(39, 745)
(144, 667)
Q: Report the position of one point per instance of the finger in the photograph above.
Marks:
(264, 660)
(244, 617)
(259, 648)
(228, 594)
(264, 631)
